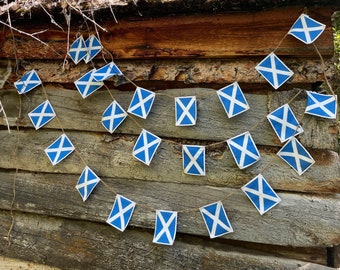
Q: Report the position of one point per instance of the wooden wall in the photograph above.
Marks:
(43, 218)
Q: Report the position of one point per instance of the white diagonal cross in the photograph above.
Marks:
(243, 149)
(141, 102)
(113, 116)
(87, 182)
(193, 160)
(26, 82)
(41, 114)
(216, 220)
(146, 146)
(90, 82)
(233, 100)
(59, 149)
(121, 212)
(307, 29)
(165, 227)
(185, 111)
(321, 105)
(78, 49)
(261, 195)
(275, 72)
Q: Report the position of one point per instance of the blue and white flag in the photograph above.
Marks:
(106, 72)
(87, 181)
(165, 227)
(321, 105)
(261, 194)
(113, 116)
(296, 156)
(28, 82)
(78, 50)
(244, 150)
(146, 146)
(59, 149)
(216, 219)
(233, 99)
(93, 46)
(284, 123)
(193, 159)
(185, 111)
(86, 85)
(306, 29)
(42, 114)
(274, 70)
(121, 213)
(141, 102)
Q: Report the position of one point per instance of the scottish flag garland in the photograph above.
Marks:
(321, 105)
(27, 82)
(216, 219)
(42, 114)
(87, 181)
(185, 111)
(260, 193)
(146, 146)
(87, 85)
(59, 149)
(113, 116)
(78, 50)
(93, 46)
(106, 72)
(193, 159)
(165, 227)
(141, 102)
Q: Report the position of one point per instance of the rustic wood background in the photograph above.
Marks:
(40, 207)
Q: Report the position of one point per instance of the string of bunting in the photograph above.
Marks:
(243, 148)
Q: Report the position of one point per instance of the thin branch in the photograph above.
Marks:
(51, 17)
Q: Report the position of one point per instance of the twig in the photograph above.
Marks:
(51, 17)
(5, 116)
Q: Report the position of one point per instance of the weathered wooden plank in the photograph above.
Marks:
(299, 220)
(74, 245)
(9, 263)
(111, 156)
(213, 124)
(231, 35)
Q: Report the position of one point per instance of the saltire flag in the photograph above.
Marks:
(216, 219)
(106, 72)
(121, 213)
(260, 193)
(284, 123)
(93, 46)
(274, 70)
(86, 85)
(87, 181)
(42, 114)
(141, 102)
(59, 149)
(146, 146)
(193, 159)
(113, 116)
(165, 227)
(306, 29)
(78, 50)
(185, 111)
(243, 150)
(321, 105)
(233, 99)
(296, 156)
(27, 82)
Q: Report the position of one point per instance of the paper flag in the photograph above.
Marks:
(141, 102)
(274, 70)
(244, 150)
(121, 213)
(261, 194)
(306, 29)
(165, 227)
(28, 82)
(321, 105)
(78, 50)
(216, 220)
(233, 99)
(113, 116)
(59, 149)
(193, 159)
(284, 123)
(93, 46)
(106, 72)
(42, 114)
(86, 85)
(146, 146)
(296, 156)
(185, 111)
(87, 182)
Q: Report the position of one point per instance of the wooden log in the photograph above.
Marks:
(213, 124)
(229, 35)
(9, 263)
(74, 245)
(111, 156)
(299, 220)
